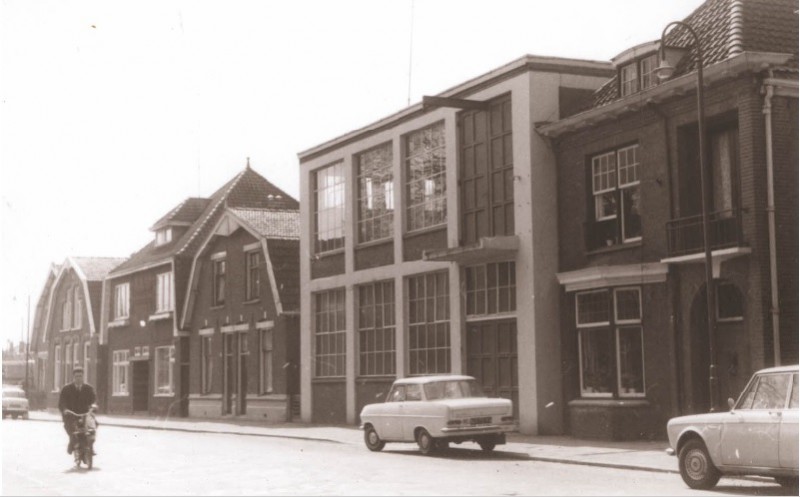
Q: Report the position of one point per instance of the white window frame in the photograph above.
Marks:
(431, 201)
(120, 363)
(77, 315)
(216, 263)
(164, 286)
(632, 395)
(327, 220)
(122, 300)
(577, 314)
(170, 351)
(636, 166)
(86, 347)
(619, 289)
(163, 236)
(252, 291)
(206, 364)
(75, 355)
(599, 192)
(67, 362)
(650, 75)
(632, 82)
(57, 372)
(266, 352)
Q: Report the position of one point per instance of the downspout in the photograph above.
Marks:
(676, 341)
(773, 265)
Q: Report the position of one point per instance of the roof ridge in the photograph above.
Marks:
(736, 28)
(220, 201)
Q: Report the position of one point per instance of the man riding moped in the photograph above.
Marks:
(76, 398)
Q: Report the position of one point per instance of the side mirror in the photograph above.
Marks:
(731, 403)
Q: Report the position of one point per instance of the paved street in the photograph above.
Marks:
(149, 462)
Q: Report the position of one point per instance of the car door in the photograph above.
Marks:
(413, 410)
(788, 446)
(390, 425)
(750, 434)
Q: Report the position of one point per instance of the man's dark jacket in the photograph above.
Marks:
(76, 400)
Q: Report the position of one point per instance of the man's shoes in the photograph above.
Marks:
(69, 448)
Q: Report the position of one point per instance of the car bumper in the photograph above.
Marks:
(470, 430)
(15, 410)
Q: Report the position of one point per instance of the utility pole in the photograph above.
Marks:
(28, 348)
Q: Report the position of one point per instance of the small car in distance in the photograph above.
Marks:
(436, 410)
(15, 403)
(758, 436)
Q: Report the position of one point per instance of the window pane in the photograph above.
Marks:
(597, 373)
(771, 391)
(631, 213)
(329, 332)
(631, 362)
(729, 301)
(592, 307)
(429, 324)
(376, 329)
(329, 208)
(375, 193)
(425, 170)
(628, 305)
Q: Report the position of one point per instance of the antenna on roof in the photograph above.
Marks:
(410, 52)
(248, 163)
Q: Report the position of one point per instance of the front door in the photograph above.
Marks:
(141, 383)
(486, 172)
(492, 358)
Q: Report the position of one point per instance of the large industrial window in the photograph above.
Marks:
(610, 348)
(491, 288)
(329, 333)
(429, 324)
(376, 328)
(426, 189)
(375, 193)
(329, 194)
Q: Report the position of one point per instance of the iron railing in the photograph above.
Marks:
(685, 235)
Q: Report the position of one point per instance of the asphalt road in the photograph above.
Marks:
(149, 462)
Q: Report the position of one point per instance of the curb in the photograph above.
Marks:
(517, 454)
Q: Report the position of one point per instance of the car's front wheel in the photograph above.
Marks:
(425, 441)
(696, 467)
(372, 440)
(487, 445)
(787, 481)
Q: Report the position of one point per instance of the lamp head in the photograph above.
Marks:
(664, 70)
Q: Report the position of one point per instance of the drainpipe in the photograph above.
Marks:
(773, 265)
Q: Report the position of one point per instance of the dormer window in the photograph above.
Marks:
(163, 236)
(647, 69)
(637, 68)
(628, 79)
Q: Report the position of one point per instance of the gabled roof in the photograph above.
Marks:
(246, 189)
(726, 28)
(40, 314)
(96, 268)
(184, 214)
(283, 224)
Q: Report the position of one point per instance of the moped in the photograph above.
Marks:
(84, 433)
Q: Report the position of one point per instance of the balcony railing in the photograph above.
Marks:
(685, 235)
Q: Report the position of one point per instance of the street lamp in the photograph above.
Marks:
(664, 71)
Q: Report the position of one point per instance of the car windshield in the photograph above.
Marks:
(14, 394)
(453, 389)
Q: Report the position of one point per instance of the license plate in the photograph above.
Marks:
(481, 421)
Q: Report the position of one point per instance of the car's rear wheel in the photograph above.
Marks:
(425, 441)
(787, 481)
(487, 445)
(696, 467)
(372, 440)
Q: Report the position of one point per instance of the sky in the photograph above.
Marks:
(113, 112)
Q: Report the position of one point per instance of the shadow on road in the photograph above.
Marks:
(464, 454)
(82, 469)
(754, 490)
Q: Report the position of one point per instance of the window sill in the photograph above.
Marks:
(256, 300)
(118, 323)
(609, 402)
(425, 231)
(615, 248)
(329, 379)
(216, 307)
(160, 315)
(376, 378)
(329, 253)
(120, 395)
(163, 395)
(375, 243)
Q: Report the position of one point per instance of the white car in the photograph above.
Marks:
(436, 410)
(15, 403)
(758, 436)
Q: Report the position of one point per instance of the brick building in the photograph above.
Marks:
(37, 393)
(150, 364)
(634, 336)
(429, 245)
(69, 324)
(242, 315)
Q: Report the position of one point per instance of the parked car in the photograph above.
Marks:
(758, 436)
(15, 403)
(434, 411)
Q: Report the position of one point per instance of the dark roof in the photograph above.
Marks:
(246, 189)
(184, 213)
(96, 268)
(727, 28)
(269, 223)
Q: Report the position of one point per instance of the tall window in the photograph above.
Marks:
(253, 275)
(66, 312)
(426, 190)
(375, 193)
(628, 79)
(77, 300)
(724, 154)
(616, 198)
(265, 380)
(164, 292)
(491, 288)
(638, 75)
(429, 324)
(165, 358)
(75, 352)
(648, 66)
(122, 300)
(219, 281)
(119, 372)
(610, 348)
(86, 355)
(57, 369)
(376, 345)
(329, 208)
(67, 362)
(329, 333)
(206, 364)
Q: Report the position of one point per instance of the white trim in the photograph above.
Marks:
(137, 269)
(271, 276)
(593, 324)
(251, 246)
(218, 255)
(205, 331)
(609, 276)
(118, 322)
(160, 316)
(265, 325)
(617, 320)
(233, 328)
(717, 258)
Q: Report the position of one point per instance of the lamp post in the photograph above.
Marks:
(664, 71)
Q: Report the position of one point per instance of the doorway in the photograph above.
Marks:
(492, 358)
(141, 382)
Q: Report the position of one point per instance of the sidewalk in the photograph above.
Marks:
(636, 455)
